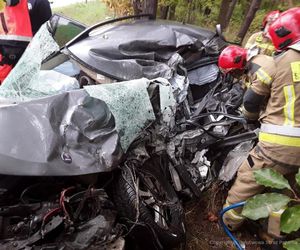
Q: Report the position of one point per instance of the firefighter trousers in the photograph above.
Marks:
(245, 185)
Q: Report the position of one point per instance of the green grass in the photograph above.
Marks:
(89, 13)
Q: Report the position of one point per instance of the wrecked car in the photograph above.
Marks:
(106, 133)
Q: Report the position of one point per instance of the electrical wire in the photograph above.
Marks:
(47, 217)
(226, 229)
(62, 200)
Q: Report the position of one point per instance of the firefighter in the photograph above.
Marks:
(40, 12)
(15, 34)
(275, 84)
(262, 39)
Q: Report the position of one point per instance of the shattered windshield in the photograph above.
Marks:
(130, 104)
(26, 82)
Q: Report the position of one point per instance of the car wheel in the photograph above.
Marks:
(159, 208)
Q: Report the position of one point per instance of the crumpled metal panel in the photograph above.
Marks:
(166, 96)
(137, 49)
(97, 229)
(234, 160)
(62, 135)
(204, 75)
(130, 104)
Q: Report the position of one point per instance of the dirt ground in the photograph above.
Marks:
(203, 229)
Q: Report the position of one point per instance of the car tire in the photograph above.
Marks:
(125, 196)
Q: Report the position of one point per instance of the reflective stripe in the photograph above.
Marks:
(266, 46)
(252, 52)
(247, 84)
(279, 139)
(289, 107)
(277, 213)
(280, 130)
(263, 76)
(16, 38)
(233, 214)
(295, 46)
(295, 66)
(259, 38)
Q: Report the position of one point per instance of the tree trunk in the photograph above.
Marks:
(164, 10)
(246, 7)
(172, 10)
(229, 13)
(150, 7)
(223, 13)
(189, 11)
(137, 7)
(254, 6)
(290, 3)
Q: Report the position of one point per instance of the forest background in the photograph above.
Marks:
(238, 18)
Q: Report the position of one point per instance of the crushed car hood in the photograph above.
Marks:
(62, 135)
(137, 49)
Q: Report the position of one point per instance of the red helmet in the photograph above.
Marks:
(270, 17)
(285, 31)
(233, 57)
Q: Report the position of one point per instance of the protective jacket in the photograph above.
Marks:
(15, 23)
(274, 97)
(15, 34)
(263, 43)
(40, 12)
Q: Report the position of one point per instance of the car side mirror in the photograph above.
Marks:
(219, 30)
(64, 29)
(219, 33)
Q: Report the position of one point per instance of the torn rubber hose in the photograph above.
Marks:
(226, 230)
